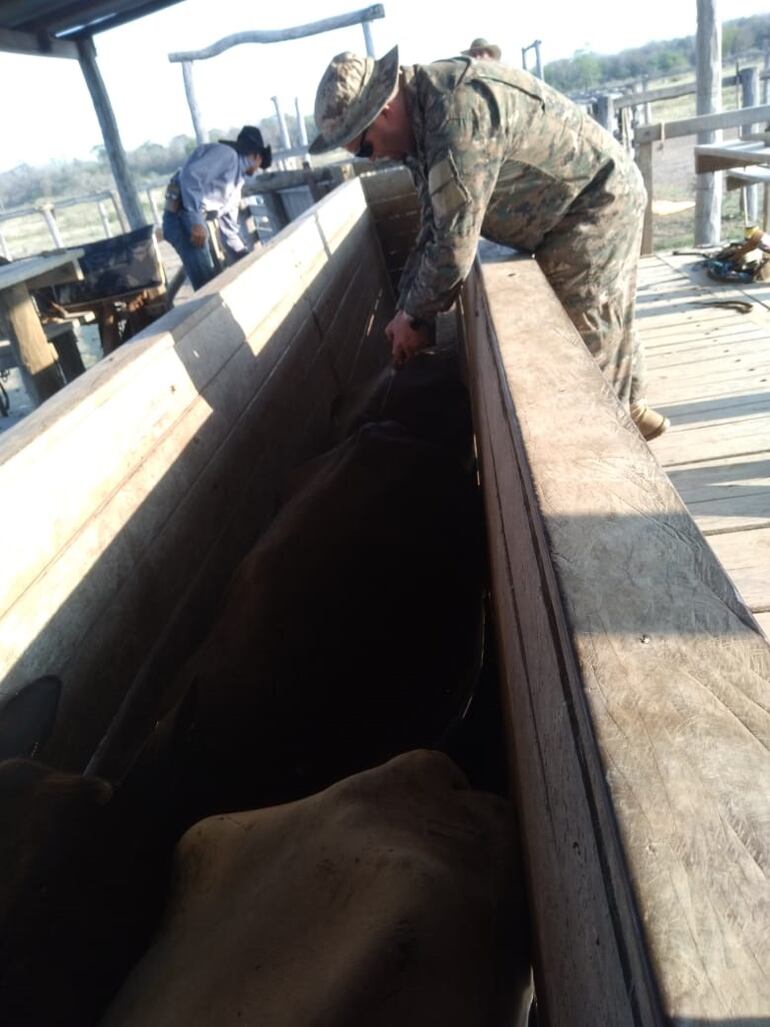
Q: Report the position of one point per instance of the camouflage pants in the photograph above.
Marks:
(590, 259)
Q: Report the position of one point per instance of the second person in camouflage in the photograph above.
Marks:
(496, 152)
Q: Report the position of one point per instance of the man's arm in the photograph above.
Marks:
(461, 177)
(229, 230)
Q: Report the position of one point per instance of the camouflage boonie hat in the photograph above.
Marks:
(350, 95)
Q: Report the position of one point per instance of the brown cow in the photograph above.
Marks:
(391, 899)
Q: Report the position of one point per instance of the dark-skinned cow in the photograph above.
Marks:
(352, 630)
(350, 633)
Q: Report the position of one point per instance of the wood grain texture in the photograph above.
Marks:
(182, 442)
(637, 688)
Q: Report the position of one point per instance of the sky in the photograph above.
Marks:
(55, 119)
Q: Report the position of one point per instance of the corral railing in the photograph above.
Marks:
(646, 136)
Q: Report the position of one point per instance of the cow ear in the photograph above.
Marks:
(28, 717)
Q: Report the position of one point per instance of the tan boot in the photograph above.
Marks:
(650, 423)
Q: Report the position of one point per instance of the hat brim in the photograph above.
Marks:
(494, 50)
(381, 88)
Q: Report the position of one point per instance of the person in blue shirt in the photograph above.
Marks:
(211, 181)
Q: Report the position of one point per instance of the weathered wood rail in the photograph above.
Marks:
(646, 135)
(636, 690)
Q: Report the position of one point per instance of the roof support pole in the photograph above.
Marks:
(192, 103)
(112, 142)
(708, 67)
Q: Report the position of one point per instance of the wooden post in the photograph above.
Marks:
(110, 133)
(538, 62)
(647, 106)
(765, 80)
(195, 114)
(300, 123)
(4, 251)
(708, 65)
(35, 357)
(368, 41)
(749, 79)
(46, 209)
(605, 112)
(644, 162)
(153, 207)
(104, 219)
(118, 212)
(282, 127)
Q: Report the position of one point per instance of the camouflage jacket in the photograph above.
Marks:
(499, 153)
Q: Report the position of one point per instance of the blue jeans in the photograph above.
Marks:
(196, 260)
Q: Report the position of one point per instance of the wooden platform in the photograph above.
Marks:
(709, 371)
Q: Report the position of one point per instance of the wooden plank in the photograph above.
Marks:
(645, 164)
(708, 480)
(746, 557)
(42, 270)
(579, 960)
(715, 409)
(733, 513)
(738, 179)
(658, 669)
(34, 355)
(725, 156)
(202, 395)
(702, 123)
(704, 349)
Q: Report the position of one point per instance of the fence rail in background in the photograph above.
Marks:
(47, 211)
(646, 135)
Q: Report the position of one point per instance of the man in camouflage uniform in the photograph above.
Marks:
(496, 152)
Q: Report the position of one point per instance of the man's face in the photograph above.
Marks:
(388, 136)
(254, 162)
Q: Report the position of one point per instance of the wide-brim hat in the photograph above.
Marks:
(249, 140)
(351, 93)
(483, 44)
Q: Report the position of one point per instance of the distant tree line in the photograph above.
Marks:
(25, 185)
(586, 70)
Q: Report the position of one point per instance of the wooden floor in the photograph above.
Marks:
(709, 371)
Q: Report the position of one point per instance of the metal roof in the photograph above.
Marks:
(47, 26)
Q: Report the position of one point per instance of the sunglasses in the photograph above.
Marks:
(365, 149)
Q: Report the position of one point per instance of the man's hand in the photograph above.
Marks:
(198, 236)
(405, 340)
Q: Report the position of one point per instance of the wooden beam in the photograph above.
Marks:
(708, 68)
(281, 35)
(702, 123)
(644, 161)
(192, 103)
(635, 685)
(112, 141)
(35, 356)
(749, 79)
(665, 93)
(36, 44)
